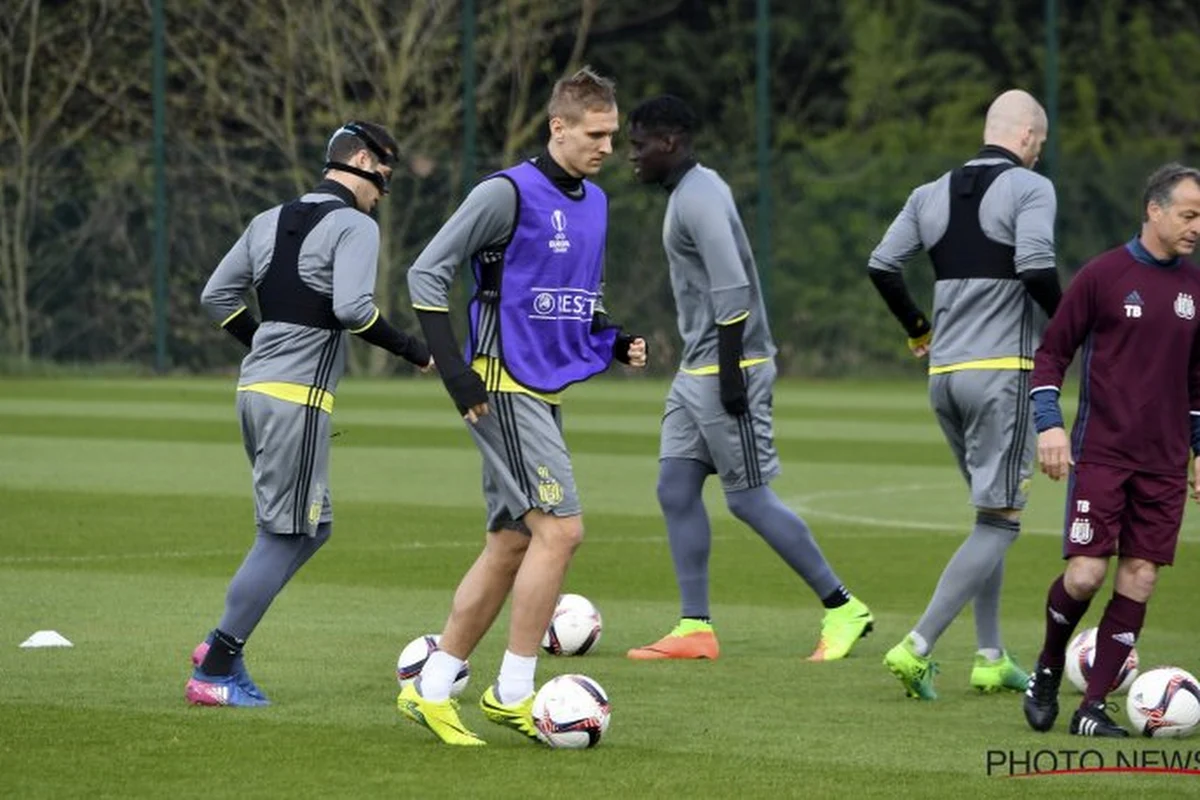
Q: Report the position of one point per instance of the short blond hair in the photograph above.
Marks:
(584, 91)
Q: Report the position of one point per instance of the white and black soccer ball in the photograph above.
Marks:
(1164, 703)
(571, 712)
(416, 653)
(1081, 655)
(575, 627)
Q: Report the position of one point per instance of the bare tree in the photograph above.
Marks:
(58, 83)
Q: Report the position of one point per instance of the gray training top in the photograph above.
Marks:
(978, 319)
(713, 275)
(338, 259)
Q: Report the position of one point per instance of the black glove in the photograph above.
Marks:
(621, 347)
(729, 358)
(466, 389)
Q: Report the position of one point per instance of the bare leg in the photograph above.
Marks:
(482, 591)
(540, 578)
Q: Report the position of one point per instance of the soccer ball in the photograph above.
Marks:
(413, 658)
(1081, 653)
(575, 627)
(571, 712)
(1164, 702)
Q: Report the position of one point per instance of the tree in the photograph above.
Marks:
(60, 85)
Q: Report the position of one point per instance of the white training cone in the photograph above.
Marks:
(47, 639)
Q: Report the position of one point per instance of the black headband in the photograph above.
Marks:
(385, 156)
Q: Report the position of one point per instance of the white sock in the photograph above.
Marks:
(516, 677)
(437, 676)
(991, 653)
(920, 646)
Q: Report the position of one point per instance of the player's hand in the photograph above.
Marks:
(475, 412)
(1196, 479)
(469, 394)
(428, 367)
(1054, 453)
(637, 352)
(920, 345)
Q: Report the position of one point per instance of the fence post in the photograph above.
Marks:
(762, 104)
(159, 90)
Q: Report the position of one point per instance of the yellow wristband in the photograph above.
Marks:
(921, 341)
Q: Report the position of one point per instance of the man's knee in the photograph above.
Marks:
(743, 504)
(676, 489)
(506, 547)
(1007, 514)
(1136, 578)
(1084, 576)
(561, 533)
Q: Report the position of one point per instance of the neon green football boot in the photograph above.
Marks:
(914, 672)
(518, 716)
(841, 627)
(988, 677)
(441, 718)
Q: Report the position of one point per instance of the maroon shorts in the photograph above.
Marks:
(1116, 511)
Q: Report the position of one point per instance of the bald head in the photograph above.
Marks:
(1016, 122)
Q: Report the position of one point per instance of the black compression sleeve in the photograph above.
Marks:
(381, 334)
(729, 367)
(466, 388)
(242, 327)
(1043, 287)
(894, 292)
(440, 336)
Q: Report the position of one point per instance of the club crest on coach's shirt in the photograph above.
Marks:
(1185, 306)
(558, 221)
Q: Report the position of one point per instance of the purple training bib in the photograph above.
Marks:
(550, 283)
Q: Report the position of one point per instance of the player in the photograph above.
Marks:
(988, 227)
(535, 235)
(312, 264)
(1133, 311)
(718, 411)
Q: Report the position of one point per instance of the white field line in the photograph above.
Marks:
(803, 504)
(168, 555)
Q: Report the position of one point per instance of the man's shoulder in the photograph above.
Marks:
(1023, 185)
(1115, 259)
(699, 187)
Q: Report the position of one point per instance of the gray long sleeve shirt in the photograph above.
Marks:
(339, 259)
(713, 275)
(979, 319)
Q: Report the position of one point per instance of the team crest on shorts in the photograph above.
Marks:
(314, 509)
(550, 491)
(1081, 531)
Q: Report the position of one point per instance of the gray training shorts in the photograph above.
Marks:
(288, 447)
(525, 460)
(740, 450)
(987, 420)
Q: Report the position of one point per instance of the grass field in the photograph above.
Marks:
(125, 508)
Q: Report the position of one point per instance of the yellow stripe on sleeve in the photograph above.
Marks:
(374, 317)
(232, 316)
(736, 320)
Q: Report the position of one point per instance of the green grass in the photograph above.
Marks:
(125, 508)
